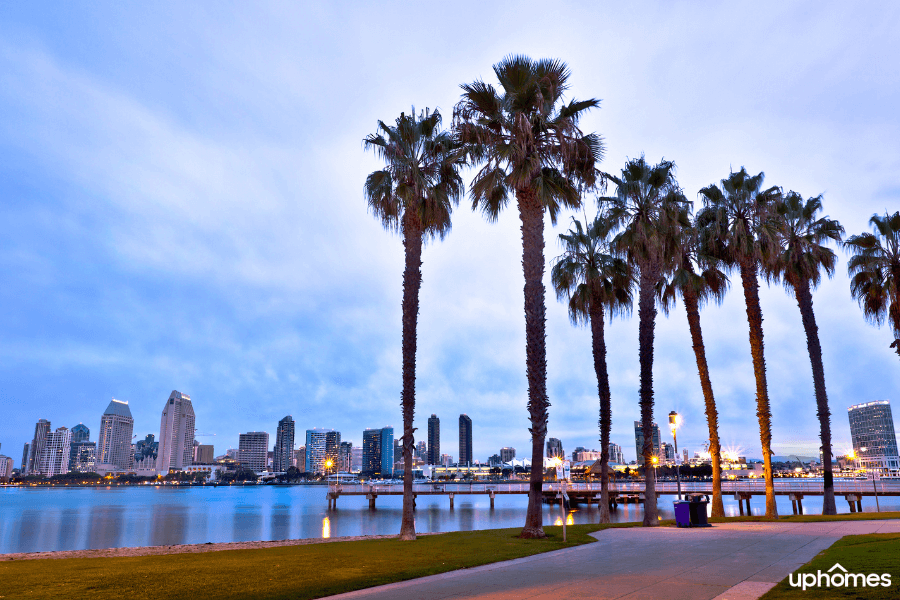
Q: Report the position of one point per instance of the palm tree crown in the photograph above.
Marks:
(875, 272)
(801, 256)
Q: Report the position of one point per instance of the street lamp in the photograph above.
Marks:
(674, 421)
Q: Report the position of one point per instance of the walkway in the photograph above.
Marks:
(738, 561)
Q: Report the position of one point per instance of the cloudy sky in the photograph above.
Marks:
(182, 208)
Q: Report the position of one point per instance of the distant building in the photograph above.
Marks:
(54, 458)
(378, 452)
(6, 468)
(81, 433)
(83, 458)
(41, 429)
(507, 454)
(873, 436)
(344, 457)
(284, 445)
(176, 433)
(583, 455)
(434, 440)
(615, 454)
(146, 454)
(253, 447)
(204, 454)
(446, 460)
(333, 448)
(25, 458)
(639, 441)
(685, 455)
(666, 452)
(555, 448)
(114, 441)
(465, 440)
(421, 451)
(494, 460)
(300, 458)
(317, 441)
(356, 459)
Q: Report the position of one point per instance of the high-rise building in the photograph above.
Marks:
(507, 454)
(300, 458)
(356, 459)
(873, 436)
(555, 448)
(54, 459)
(146, 454)
(615, 454)
(114, 442)
(253, 448)
(465, 440)
(284, 445)
(344, 457)
(83, 458)
(333, 448)
(6, 468)
(639, 441)
(25, 458)
(666, 452)
(446, 460)
(41, 429)
(80, 433)
(176, 433)
(378, 452)
(494, 460)
(434, 440)
(421, 451)
(204, 454)
(317, 443)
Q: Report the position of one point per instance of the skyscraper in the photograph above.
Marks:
(555, 448)
(54, 459)
(421, 451)
(378, 452)
(465, 440)
(80, 433)
(284, 445)
(204, 454)
(176, 433)
(872, 432)
(41, 429)
(253, 448)
(146, 453)
(615, 454)
(317, 445)
(434, 440)
(333, 448)
(114, 443)
(507, 454)
(25, 451)
(344, 456)
(83, 458)
(639, 441)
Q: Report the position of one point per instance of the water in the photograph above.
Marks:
(45, 519)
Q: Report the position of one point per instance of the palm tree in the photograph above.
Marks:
(595, 283)
(875, 272)
(736, 226)
(799, 264)
(651, 209)
(696, 289)
(414, 194)
(528, 143)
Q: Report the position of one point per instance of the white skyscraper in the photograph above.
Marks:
(54, 459)
(114, 445)
(176, 433)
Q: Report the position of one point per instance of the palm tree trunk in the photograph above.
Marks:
(412, 282)
(531, 213)
(599, 349)
(805, 302)
(646, 324)
(692, 306)
(763, 412)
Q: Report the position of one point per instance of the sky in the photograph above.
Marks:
(181, 193)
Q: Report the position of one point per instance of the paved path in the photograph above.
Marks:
(737, 561)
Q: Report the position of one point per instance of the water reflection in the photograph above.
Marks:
(326, 528)
(67, 530)
(105, 526)
(29, 531)
(247, 523)
(168, 525)
(280, 522)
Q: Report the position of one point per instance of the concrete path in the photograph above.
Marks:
(739, 561)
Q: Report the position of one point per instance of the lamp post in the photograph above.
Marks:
(674, 421)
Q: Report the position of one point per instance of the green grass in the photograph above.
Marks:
(872, 553)
(296, 572)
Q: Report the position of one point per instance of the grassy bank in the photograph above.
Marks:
(873, 553)
(294, 572)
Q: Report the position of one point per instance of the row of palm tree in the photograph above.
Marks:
(525, 142)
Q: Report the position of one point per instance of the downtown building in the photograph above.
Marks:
(555, 449)
(434, 441)
(36, 448)
(54, 459)
(639, 441)
(253, 449)
(615, 454)
(114, 442)
(507, 454)
(465, 440)
(146, 455)
(874, 439)
(321, 444)
(284, 445)
(176, 434)
(378, 452)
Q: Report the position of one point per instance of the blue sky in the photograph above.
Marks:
(181, 195)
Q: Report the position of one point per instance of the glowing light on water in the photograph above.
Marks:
(570, 520)
(326, 528)
(558, 521)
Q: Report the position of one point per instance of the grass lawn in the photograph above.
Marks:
(872, 553)
(296, 572)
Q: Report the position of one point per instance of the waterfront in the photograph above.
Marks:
(47, 519)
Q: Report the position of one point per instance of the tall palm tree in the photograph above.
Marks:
(736, 225)
(695, 289)
(799, 263)
(875, 272)
(595, 283)
(414, 194)
(651, 209)
(527, 141)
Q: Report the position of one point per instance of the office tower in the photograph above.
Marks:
(54, 459)
(434, 440)
(507, 454)
(253, 448)
(176, 433)
(398, 452)
(83, 458)
(387, 451)
(554, 448)
(146, 454)
(494, 460)
(41, 429)
(421, 452)
(639, 441)
(667, 452)
(378, 451)
(576, 451)
(465, 440)
(685, 454)
(114, 442)
(344, 456)
(333, 448)
(204, 454)
(284, 445)
(446, 460)
(356, 459)
(615, 454)
(300, 459)
(25, 458)
(6, 468)
(317, 444)
(80, 433)
(873, 436)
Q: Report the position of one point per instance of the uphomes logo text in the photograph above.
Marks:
(838, 577)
